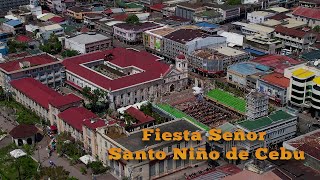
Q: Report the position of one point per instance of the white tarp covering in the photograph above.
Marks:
(17, 153)
(232, 38)
(137, 106)
(86, 159)
(197, 90)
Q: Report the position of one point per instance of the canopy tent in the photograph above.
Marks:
(17, 153)
(86, 159)
(197, 90)
(137, 106)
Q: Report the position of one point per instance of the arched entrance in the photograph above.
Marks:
(20, 142)
(29, 141)
(171, 88)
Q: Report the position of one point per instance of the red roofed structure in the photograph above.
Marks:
(277, 62)
(121, 71)
(312, 13)
(141, 118)
(290, 31)
(76, 117)
(157, 7)
(277, 79)
(57, 19)
(23, 39)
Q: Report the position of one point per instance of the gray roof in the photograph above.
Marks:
(88, 38)
(134, 141)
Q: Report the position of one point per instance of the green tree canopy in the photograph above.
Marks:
(132, 19)
(317, 28)
(57, 173)
(52, 46)
(233, 2)
(69, 53)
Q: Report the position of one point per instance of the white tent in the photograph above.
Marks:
(17, 153)
(197, 90)
(86, 159)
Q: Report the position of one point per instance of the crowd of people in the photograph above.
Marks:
(206, 113)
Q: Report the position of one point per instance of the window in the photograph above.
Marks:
(169, 164)
(153, 170)
(169, 148)
(186, 144)
(178, 145)
(178, 163)
(161, 167)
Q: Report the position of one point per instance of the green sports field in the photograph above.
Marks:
(179, 114)
(227, 99)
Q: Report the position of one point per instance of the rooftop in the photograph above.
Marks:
(228, 51)
(279, 9)
(78, 116)
(277, 62)
(271, 22)
(36, 60)
(279, 16)
(88, 38)
(259, 28)
(316, 80)
(13, 22)
(191, 5)
(152, 68)
(293, 23)
(42, 94)
(290, 31)
(309, 143)
(261, 13)
(228, 100)
(23, 131)
(133, 141)
(311, 56)
(139, 116)
(163, 31)
(23, 38)
(302, 73)
(52, 27)
(79, 9)
(186, 35)
(137, 27)
(274, 117)
(312, 13)
(210, 13)
(243, 175)
(207, 25)
(247, 68)
(277, 79)
(57, 19)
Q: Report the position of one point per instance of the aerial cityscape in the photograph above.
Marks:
(233, 86)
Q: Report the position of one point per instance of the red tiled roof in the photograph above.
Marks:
(277, 62)
(312, 13)
(94, 124)
(277, 79)
(84, 29)
(34, 61)
(290, 31)
(139, 116)
(308, 143)
(42, 94)
(153, 69)
(279, 17)
(76, 116)
(64, 100)
(120, 17)
(23, 38)
(181, 56)
(35, 90)
(23, 131)
(57, 19)
(157, 7)
(108, 11)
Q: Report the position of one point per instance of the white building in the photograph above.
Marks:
(257, 105)
(85, 43)
(46, 31)
(258, 16)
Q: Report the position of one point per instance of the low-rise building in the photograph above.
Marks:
(140, 119)
(41, 99)
(279, 126)
(276, 86)
(13, 26)
(185, 41)
(294, 39)
(128, 75)
(211, 16)
(85, 43)
(309, 15)
(43, 67)
(307, 143)
(251, 29)
(258, 16)
(309, 3)
(46, 31)
(132, 33)
(264, 44)
(237, 73)
(216, 60)
(116, 137)
(6, 5)
(256, 105)
(229, 12)
(77, 13)
(187, 10)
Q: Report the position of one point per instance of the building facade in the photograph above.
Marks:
(43, 67)
(258, 16)
(85, 43)
(116, 137)
(309, 15)
(257, 105)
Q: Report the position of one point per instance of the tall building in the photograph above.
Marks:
(6, 5)
(257, 105)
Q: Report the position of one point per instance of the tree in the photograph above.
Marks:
(57, 173)
(52, 46)
(69, 53)
(132, 19)
(317, 28)
(98, 99)
(97, 167)
(233, 2)
(15, 46)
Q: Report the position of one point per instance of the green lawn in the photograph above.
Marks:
(228, 99)
(9, 165)
(24, 115)
(179, 114)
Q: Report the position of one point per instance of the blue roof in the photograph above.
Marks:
(206, 25)
(253, 51)
(13, 22)
(248, 68)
